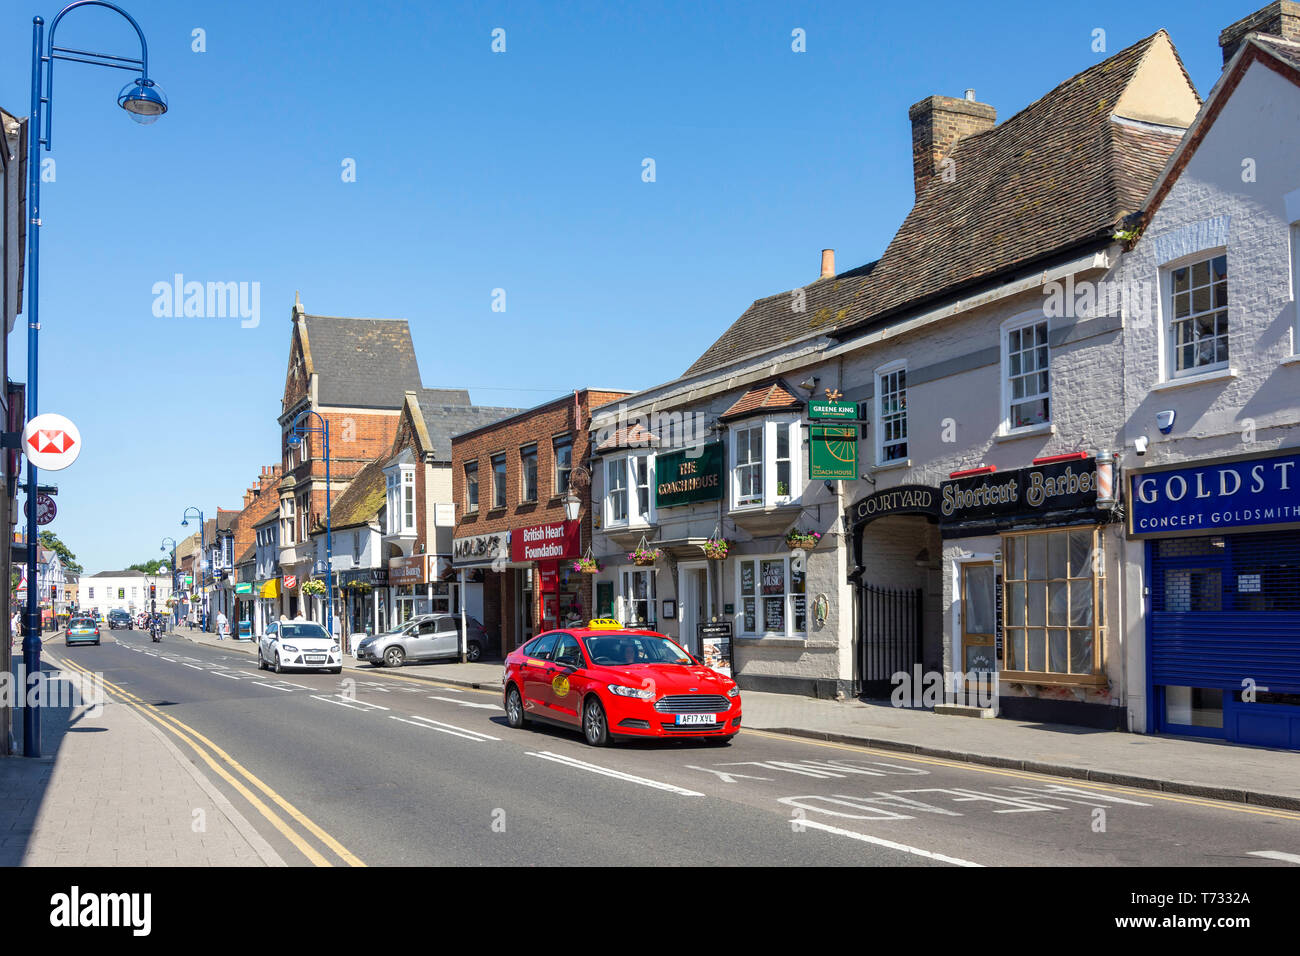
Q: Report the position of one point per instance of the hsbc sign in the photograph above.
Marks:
(51, 442)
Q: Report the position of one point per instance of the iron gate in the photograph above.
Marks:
(889, 637)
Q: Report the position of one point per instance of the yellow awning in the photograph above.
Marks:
(271, 589)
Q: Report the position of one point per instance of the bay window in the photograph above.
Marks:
(765, 465)
(629, 487)
(400, 511)
(772, 598)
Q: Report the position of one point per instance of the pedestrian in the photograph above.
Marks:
(223, 625)
(16, 627)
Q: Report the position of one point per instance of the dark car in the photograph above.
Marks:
(119, 618)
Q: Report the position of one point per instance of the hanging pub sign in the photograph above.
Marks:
(1259, 492)
(833, 452)
(687, 476)
(1054, 492)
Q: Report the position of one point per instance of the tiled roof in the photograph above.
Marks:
(444, 419)
(367, 363)
(632, 436)
(1287, 51)
(361, 500)
(771, 396)
(1061, 173)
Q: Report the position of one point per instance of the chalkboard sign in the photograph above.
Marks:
(747, 577)
(773, 577)
(774, 615)
(751, 620)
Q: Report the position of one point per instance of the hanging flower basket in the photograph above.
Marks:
(359, 587)
(807, 540)
(313, 586)
(586, 566)
(716, 549)
(644, 556)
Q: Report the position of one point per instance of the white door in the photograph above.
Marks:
(694, 606)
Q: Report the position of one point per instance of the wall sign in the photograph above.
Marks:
(900, 500)
(1254, 493)
(681, 479)
(1040, 494)
(544, 542)
(833, 452)
(409, 570)
(820, 409)
(479, 549)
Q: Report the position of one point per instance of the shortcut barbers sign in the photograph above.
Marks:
(1063, 492)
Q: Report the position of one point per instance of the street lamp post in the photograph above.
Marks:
(203, 546)
(296, 432)
(175, 570)
(145, 102)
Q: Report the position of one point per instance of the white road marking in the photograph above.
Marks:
(916, 851)
(442, 728)
(228, 676)
(379, 687)
(292, 684)
(360, 705)
(195, 666)
(1278, 855)
(616, 774)
(261, 683)
(467, 703)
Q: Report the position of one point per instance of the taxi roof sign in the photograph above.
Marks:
(604, 624)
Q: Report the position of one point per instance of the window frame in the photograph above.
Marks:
(288, 520)
(527, 452)
(788, 594)
(767, 462)
(1018, 324)
(471, 487)
(500, 496)
(624, 464)
(1099, 627)
(1169, 370)
(878, 417)
(558, 442)
(626, 603)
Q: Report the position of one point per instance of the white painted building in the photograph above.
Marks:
(124, 590)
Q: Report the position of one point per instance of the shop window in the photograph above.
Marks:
(891, 413)
(1053, 588)
(1196, 295)
(772, 595)
(563, 446)
(471, 487)
(1194, 706)
(528, 473)
(765, 466)
(1026, 375)
(498, 481)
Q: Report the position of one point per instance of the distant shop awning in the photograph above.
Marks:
(270, 589)
(244, 587)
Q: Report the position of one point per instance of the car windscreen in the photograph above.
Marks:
(301, 631)
(635, 649)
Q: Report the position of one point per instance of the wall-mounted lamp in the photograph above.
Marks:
(810, 384)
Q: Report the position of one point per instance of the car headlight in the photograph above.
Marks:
(289, 647)
(735, 691)
(335, 649)
(638, 692)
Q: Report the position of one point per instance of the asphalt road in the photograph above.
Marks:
(388, 769)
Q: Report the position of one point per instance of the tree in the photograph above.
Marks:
(51, 541)
(149, 567)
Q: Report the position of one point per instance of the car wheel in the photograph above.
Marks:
(594, 727)
(336, 670)
(279, 668)
(473, 652)
(394, 656)
(515, 716)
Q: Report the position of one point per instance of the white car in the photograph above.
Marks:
(299, 645)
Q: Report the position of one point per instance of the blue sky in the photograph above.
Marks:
(475, 171)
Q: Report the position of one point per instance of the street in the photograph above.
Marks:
(391, 769)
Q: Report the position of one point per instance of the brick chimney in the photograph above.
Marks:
(938, 122)
(1280, 19)
(828, 263)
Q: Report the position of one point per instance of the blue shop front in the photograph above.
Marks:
(1222, 542)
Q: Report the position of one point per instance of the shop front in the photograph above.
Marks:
(292, 602)
(547, 552)
(267, 605)
(361, 589)
(1222, 551)
(241, 624)
(408, 579)
(1030, 561)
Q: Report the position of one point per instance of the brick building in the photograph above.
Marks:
(354, 374)
(513, 546)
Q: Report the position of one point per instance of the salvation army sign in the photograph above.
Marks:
(1250, 493)
(51, 442)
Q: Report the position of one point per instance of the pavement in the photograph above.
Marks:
(113, 790)
(1219, 771)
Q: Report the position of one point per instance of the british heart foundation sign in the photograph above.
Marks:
(51, 442)
(545, 542)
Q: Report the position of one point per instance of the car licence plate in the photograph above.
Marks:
(315, 659)
(697, 718)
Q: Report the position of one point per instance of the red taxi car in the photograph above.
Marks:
(613, 682)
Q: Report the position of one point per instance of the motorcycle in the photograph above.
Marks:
(155, 631)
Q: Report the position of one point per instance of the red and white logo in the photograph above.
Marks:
(51, 442)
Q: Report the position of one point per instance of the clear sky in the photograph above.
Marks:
(474, 171)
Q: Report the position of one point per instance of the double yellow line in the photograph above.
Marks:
(197, 742)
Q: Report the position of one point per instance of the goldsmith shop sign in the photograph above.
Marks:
(1042, 494)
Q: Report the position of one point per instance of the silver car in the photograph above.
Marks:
(428, 637)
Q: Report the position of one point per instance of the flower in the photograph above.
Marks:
(716, 548)
(642, 555)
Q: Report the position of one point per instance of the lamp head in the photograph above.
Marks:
(185, 523)
(144, 100)
(294, 439)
